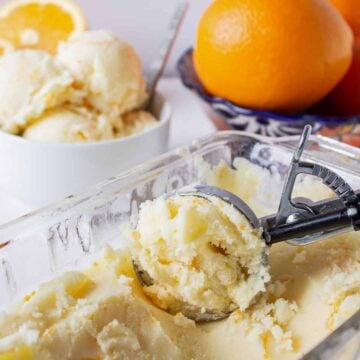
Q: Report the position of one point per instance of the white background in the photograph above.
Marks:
(143, 22)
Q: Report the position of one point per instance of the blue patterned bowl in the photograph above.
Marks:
(226, 114)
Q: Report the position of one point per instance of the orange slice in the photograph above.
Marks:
(40, 24)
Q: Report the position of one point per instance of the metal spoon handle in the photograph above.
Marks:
(156, 69)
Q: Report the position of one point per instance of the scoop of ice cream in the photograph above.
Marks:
(94, 315)
(107, 69)
(200, 254)
(137, 122)
(31, 81)
(66, 125)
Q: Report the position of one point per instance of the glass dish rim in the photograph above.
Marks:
(194, 84)
(155, 165)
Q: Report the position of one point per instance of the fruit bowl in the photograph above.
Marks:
(227, 115)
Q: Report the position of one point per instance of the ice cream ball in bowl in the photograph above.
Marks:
(107, 69)
(72, 119)
(67, 125)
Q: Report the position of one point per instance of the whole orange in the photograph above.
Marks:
(350, 9)
(272, 54)
(345, 98)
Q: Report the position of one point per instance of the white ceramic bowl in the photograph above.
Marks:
(40, 173)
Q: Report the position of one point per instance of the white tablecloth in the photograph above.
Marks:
(189, 122)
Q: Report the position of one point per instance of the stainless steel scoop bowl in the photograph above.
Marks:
(298, 221)
(191, 312)
(205, 192)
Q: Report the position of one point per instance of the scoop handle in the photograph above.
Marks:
(301, 222)
(319, 225)
(287, 207)
(313, 228)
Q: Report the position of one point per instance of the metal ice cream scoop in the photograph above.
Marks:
(298, 221)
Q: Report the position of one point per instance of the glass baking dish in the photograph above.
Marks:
(69, 235)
